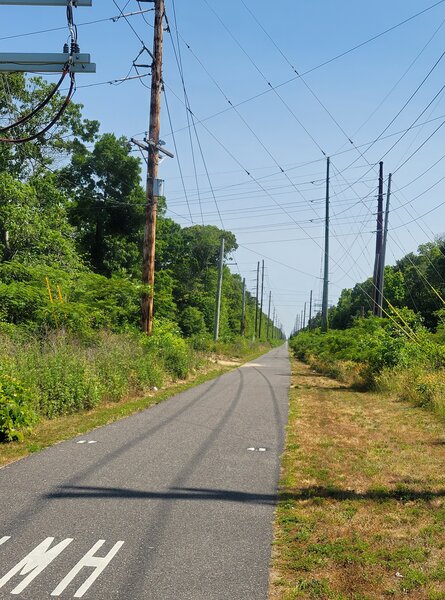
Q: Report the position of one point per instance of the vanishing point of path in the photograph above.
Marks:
(176, 502)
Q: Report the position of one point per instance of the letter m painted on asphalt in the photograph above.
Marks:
(36, 561)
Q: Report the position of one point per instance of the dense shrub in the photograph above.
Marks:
(171, 348)
(192, 322)
(66, 382)
(405, 360)
(16, 409)
(59, 374)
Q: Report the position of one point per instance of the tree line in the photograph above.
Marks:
(71, 230)
(416, 282)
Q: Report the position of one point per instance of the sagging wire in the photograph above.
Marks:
(71, 49)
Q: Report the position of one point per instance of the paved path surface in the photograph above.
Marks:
(167, 504)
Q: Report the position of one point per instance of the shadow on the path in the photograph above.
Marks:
(403, 494)
(170, 494)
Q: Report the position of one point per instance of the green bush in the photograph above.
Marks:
(61, 373)
(410, 365)
(192, 321)
(66, 382)
(16, 411)
(171, 349)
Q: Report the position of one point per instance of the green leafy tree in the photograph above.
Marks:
(33, 223)
(108, 207)
(18, 96)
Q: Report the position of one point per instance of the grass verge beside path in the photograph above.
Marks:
(362, 498)
(51, 431)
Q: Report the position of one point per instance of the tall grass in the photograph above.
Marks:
(375, 354)
(60, 373)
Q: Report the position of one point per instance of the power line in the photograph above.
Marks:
(319, 66)
(419, 54)
(113, 19)
(177, 155)
(178, 58)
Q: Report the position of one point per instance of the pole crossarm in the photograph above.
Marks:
(149, 144)
(45, 2)
(45, 62)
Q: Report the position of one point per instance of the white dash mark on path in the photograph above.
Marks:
(251, 449)
(92, 442)
(4, 539)
(89, 560)
(261, 449)
(82, 442)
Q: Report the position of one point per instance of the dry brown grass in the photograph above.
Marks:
(362, 509)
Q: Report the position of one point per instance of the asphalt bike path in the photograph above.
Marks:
(176, 502)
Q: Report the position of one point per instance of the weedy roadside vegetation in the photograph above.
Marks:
(59, 373)
(398, 357)
(361, 511)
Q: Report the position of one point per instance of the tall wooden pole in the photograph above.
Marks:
(310, 311)
(384, 242)
(148, 269)
(256, 299)
(243, 310)
(268, 315)
(376, 306)
(324, 308)
(304, 315)
(219, 292)
(262, 298)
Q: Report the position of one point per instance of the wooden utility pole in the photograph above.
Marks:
(262, 298)
(376, 306)
(273, 325)
(384, 242)
(310, 311)
(268, 315)
(256, 299)
(243, 310)
(324, 308)
(219, 292)
(148, 269)
(304, 315)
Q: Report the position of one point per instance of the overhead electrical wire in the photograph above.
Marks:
(326, 62)
(322, 104)
(177, 155)
(179, 64)
(411, 65)
(258, 69)
(266, 80)
(423, 11)
(337, 124)
(278, 95)
(41, 31)
(72, 49)
(38, 107)
(122, 14)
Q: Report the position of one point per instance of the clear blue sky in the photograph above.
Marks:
(278, 215)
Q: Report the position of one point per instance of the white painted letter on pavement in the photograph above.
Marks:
(89, 560)
(36, 561)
